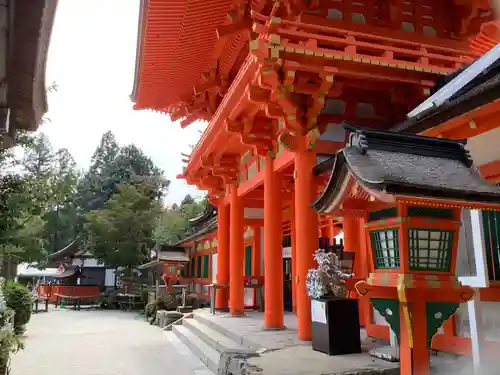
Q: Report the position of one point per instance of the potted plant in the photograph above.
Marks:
(335, 317)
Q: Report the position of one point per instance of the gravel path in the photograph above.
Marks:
(65, 342)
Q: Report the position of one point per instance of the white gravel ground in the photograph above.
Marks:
(66, 342)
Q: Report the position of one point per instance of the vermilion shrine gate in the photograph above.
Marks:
(275, 81)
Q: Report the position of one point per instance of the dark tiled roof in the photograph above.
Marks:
(173, 256)
(200, 220)
(409, 165)
(484, 93)
(68, 272)
(208, 227)
(70, 250)
(466, 96)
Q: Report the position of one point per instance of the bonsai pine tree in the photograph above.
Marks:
(327, 280)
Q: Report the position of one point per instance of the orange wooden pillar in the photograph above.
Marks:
(365, 308)
(306, 229)
(294, 256)
(352, 236)
(236, 255)
(330, 231)
(222, 275)
(414, 353)
(273, 252)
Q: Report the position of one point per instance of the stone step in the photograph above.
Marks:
(196, 365)
(208, 355)
(239, 339)
(215, 339)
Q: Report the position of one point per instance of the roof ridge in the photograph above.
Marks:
(368, 139)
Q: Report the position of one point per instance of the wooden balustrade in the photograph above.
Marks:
(50, 291)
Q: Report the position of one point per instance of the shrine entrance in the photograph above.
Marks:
(287, 273)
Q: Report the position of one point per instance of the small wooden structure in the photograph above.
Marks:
(80, 275)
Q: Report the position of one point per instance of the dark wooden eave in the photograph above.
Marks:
(407, 165)
(200, 220)
(66, 252)
(209, 227)
(30, 37)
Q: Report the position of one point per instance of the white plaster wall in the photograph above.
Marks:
(92, 263)
(77, 262)
(484, 148)
(253, 213)
(379, 319)
(109, 278)
(490, 321)
(214, 267)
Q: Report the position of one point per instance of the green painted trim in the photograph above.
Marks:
(437, 313)
(389, 309)
(491, 228)
(386, 213)
(248, 261)
(432, 212)
(205, 266)
(198, 271)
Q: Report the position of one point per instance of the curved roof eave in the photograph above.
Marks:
(31, 34)
(142, 11)
(65, 252)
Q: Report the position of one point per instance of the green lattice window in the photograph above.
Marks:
(491, 228)
(430, 249)
(386, 213)
(437, 213)
(198, 271)
(205, 266)
(248, 261)
(385, 247)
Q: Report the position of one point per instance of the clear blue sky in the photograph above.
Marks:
(92, 59)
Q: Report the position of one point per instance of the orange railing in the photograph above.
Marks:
(323, 41)
(50, 291)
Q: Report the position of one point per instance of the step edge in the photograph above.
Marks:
(206, 356)
(211, 338)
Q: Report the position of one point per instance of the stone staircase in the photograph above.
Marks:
(201, 342)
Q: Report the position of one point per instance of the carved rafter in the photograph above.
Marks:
(468, 10)
(257, 132)
(224, 166)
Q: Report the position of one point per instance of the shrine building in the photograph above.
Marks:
(276, 82)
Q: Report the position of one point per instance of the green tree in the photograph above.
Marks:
(174, 225)
(171, 227)
(120, 233)
(35, 185)
(112, 166)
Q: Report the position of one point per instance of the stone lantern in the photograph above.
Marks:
(410, 190)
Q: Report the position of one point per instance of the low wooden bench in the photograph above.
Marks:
(36, 300)
(127, 302)
(75, 300)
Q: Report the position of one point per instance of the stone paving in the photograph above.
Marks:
(66, 342)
